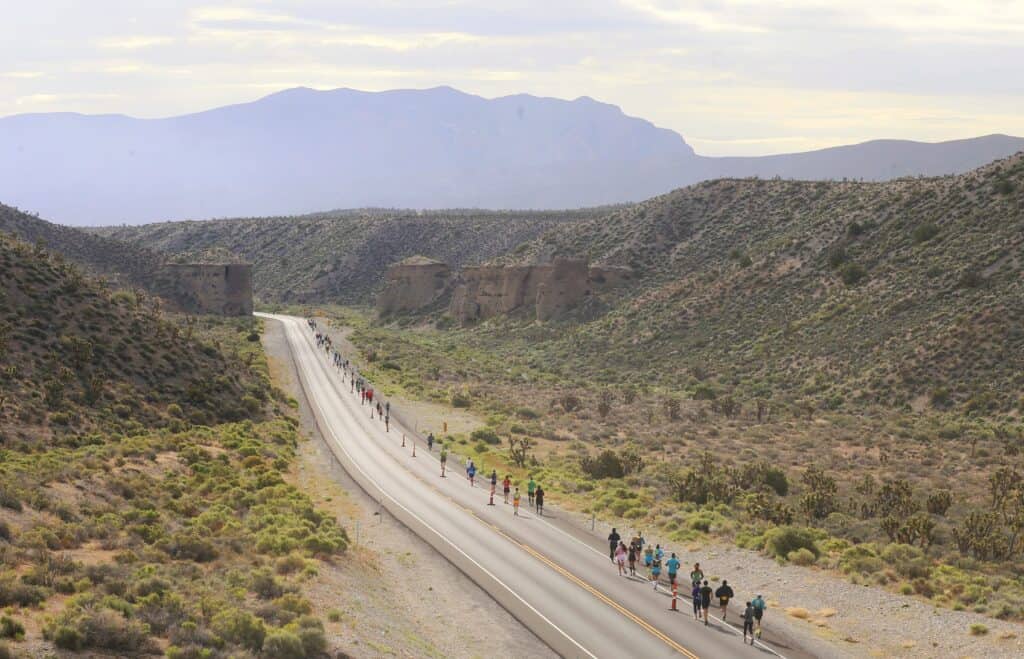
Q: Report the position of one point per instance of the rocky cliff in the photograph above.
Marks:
(549, 290)
(411, 284)
(209, 288)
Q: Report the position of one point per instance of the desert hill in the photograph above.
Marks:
(80, 358)
(905, 293)
(303, 150)
(342, 256)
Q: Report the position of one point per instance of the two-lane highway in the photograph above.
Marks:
(560, 587)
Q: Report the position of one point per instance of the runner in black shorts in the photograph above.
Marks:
(705, 600)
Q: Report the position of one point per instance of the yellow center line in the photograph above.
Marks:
(566, 573)
(583, 584)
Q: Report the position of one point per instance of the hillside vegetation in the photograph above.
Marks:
(905, 294)
(342, 256)
(828, 372)
(126, 264)
(143, 508)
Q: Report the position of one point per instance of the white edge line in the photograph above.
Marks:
(395, 502)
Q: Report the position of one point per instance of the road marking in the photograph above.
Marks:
(331, 377)
(337, 442)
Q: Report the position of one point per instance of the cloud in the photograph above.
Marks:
(134, 42)
(22, 75)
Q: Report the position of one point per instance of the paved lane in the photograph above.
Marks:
(559, 586)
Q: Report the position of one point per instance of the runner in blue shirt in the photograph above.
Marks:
(673, 568)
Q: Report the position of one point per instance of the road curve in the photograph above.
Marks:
(563, 589)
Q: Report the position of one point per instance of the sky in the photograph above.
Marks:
(733, 77)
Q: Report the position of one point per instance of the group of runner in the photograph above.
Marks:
(623, 555)
(653, 558)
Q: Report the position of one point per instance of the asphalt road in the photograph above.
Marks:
(559, 585)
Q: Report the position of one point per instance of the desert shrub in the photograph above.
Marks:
(704, 392)
(461, 399)
(852, 273)
(283, 644)
(191, 547)
(781, 541)
(776, 479)
(16, 592)
(5, 531)
(289, 564)
(527, 413)
(239, 627)
(837, 256)
(11, 628)
(970, 278)
(8, 499)
(924, 232)
(311, 632)
(861, 559)
(265, 585)
(606, 465)
(802, 557)
(485, 435)
(978, 629)
(909, 561)
(87, 623)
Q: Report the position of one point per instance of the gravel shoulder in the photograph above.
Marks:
(391, 594)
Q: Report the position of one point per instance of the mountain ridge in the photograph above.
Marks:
(302, 150)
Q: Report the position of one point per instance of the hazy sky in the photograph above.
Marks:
(732, 76)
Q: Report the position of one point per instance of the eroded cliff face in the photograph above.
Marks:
(205, 288)
(412, 284)
(547, 290)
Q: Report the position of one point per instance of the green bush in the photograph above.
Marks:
(801, 556)
(461, 399)
(779, 542)
(861, 559)
(852, 273)
(283, 644)
(978, 629)
(239, 627)
(909, 561)
(486, 435)
(925, 232)
(11, 628)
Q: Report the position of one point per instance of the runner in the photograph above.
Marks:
(620, 558)
(531, 487)
(632, 559)
(724, 594)
(697, 575)
(705, 601)
(659, 553)
(695, 595)
(655, 571)
(506, 485)
(748, 623)
(515, 502)
(538, 497)
(471, 473)
(648, 561)
(494, 482)
(759, 607)
(430, 442)
(673, 569)
(444, 460)
(613, 544)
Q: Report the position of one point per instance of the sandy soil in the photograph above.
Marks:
(392, 594)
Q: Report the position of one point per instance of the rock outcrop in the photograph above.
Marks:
(411, 284)
(224, 289)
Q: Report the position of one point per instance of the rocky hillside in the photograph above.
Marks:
(342, 256)
(128, 264)
(78, 358)
(908, 292)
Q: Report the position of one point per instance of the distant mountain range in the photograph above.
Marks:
(303, 150)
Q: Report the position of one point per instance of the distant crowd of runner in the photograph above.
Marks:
(625, 557)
